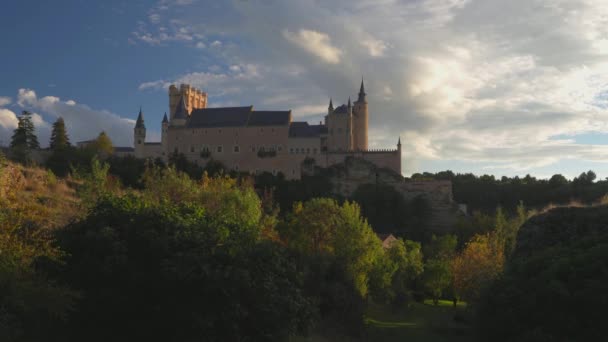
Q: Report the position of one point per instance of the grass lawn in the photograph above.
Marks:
(418, 322)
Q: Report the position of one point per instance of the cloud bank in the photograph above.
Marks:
(503, 86)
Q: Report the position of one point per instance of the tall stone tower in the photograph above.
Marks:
(360, 121)
(139, 135)
(194, 98)
(164, 138)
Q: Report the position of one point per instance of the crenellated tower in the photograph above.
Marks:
(193, 98)
(360, 121)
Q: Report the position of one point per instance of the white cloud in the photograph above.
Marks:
(8, 119)
(489, 83)
(4, 100)
(375, 47)
(315, 43)
(82, 122)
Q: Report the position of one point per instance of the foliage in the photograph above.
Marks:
(407, 256)
(480, 263)
(128, 169)
(555, 282)
(176, 273)
(30, 305)
(485, 193)
(59, 136)
(24, 139)
(437, 277)
(101, 146)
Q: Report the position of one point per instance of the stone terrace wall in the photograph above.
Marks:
(348, 176)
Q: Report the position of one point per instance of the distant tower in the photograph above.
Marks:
(164, 139)
(330, 109)
(181, 113)
(193, 98)
(139, 135)
(360, 118)
(349, 127)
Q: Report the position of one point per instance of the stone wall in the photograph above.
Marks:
(353, 172)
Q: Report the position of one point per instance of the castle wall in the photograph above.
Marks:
(360, 124)
(390, 159)
(438, 193)
(338, 132)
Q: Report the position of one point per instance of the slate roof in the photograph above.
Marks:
(304, 130)
(341, 109)
(140, 120)
(220, 117)
(180, 110)
(237, 117)
(269, 118)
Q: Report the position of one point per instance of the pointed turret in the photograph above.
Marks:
(399, 142)
(362, 94)
(181, 109)
(331, 104)
(140, 120)
(165, 120)
(349, 105)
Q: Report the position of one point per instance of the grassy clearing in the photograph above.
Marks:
(418, 322)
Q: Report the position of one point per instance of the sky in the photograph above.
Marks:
(484, 86)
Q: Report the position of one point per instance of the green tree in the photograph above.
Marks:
(177, 275)
(437, 277)
(408, 258)
(102, 146)
(24, 139)
(322, 226)
(59, 136)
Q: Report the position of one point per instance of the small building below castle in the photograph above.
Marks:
(244, 139)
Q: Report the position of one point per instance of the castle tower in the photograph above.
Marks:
(193, 98)
(139, 135)
(349, 127)
(180, 116)
(164, 139)
(360, 118)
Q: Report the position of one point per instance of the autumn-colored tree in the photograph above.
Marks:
(477, 266)
(102, 146)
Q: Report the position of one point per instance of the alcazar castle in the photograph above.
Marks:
(254, 141)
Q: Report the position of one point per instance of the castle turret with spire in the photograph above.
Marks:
(139, 135)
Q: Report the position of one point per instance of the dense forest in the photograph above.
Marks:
(96, 247)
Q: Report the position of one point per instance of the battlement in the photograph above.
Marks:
(193, 97)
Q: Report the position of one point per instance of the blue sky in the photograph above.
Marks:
(476, 86)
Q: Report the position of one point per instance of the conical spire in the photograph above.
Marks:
(349, 105)
(165, 120)
(331, 104)
(180, 110)
(140, 120)
(399, 142)
(361, 92)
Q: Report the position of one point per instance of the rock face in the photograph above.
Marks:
(348, 176)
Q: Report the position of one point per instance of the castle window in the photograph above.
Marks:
(291, 150)
(308, 151)
(236, 167)
(192, 148)
(219, 131)
(236, 149)
(297, 150)
(219, 149)
(205, 148)
(280, 148)
(293, 172)
(274, 172)
(272, 130)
